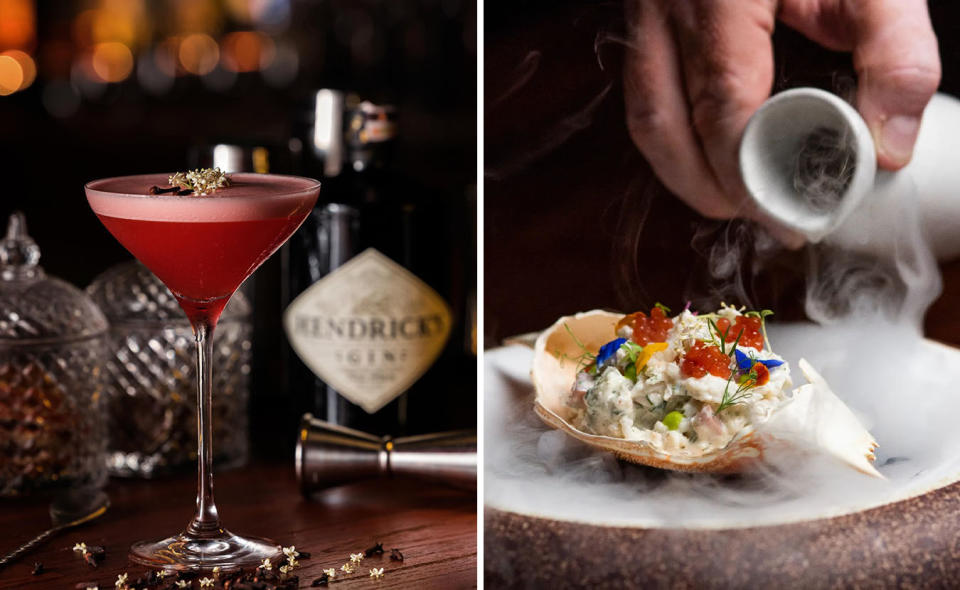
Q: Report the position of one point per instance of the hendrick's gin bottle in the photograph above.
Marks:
(375, 301)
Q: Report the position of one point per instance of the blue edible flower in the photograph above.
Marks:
(744, 362)
(609, 349)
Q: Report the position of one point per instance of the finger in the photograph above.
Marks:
(657, 111)
(727, 58)
(897, 61)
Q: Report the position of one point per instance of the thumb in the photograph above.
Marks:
(898, 66)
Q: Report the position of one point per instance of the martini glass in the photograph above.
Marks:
(203, 247)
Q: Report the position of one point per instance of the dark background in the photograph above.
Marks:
(69, 127)
(574, 219)
(417, 54)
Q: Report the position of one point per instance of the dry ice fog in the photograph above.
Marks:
(864, 336)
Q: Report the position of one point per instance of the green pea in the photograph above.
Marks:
(672, 420)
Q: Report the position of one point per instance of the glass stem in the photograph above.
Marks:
(206, 523)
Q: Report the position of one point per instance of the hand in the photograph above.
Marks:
(698, 69)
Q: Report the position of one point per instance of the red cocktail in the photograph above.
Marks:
(203, 247)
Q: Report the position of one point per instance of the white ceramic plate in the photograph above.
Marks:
(906, 391)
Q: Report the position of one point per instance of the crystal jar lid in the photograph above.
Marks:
(130, 293)
(36, 308)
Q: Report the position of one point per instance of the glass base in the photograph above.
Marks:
(186, 552)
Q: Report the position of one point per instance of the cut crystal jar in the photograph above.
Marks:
(52, 410)
(151, 376)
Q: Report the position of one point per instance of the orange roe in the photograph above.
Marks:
(703, 358)
(749, 326)
(648, 329)
(763, 373)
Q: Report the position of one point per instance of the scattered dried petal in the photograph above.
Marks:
(331, 573)
(292, 562)
(290, 551)
(356, 558)
(376, 574)
(206, 582)
(346, 568)
(121, 581)
(80, 547)
(266, 565)
(182, 584)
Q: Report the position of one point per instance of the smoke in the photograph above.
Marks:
(521, 75)
(557, 136)
(867, 306)
(824, 168)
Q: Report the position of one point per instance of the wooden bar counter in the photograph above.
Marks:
(434, 527)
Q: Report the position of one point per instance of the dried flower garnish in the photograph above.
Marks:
(395, 555)
(121, 581)
(266, 565)
(284, 569)
(376, 574)
(356, 558)
(292, 562)
(163, 573)
(346, 568)
(216, 570)
(87, 586)
(80, 547)
(182, 584)
(377, 549)
(331, 573)
(206, 582)
(202, 181)
(291, 551)
(37, 568)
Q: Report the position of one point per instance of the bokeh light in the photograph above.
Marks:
(28, 69)
(247, 51)
(112, 61)
(166, 56)
(199, 53)
(17, 23)
(11, 75)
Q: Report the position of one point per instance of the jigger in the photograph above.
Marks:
(330, 455)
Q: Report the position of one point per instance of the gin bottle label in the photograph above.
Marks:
(369, 329)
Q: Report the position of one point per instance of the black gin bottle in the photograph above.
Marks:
(375, 298)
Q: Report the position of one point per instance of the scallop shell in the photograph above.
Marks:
(813, 416)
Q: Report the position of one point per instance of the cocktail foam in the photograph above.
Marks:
(249, 197)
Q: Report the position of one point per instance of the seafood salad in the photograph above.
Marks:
(693, 392)
(686, 384)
